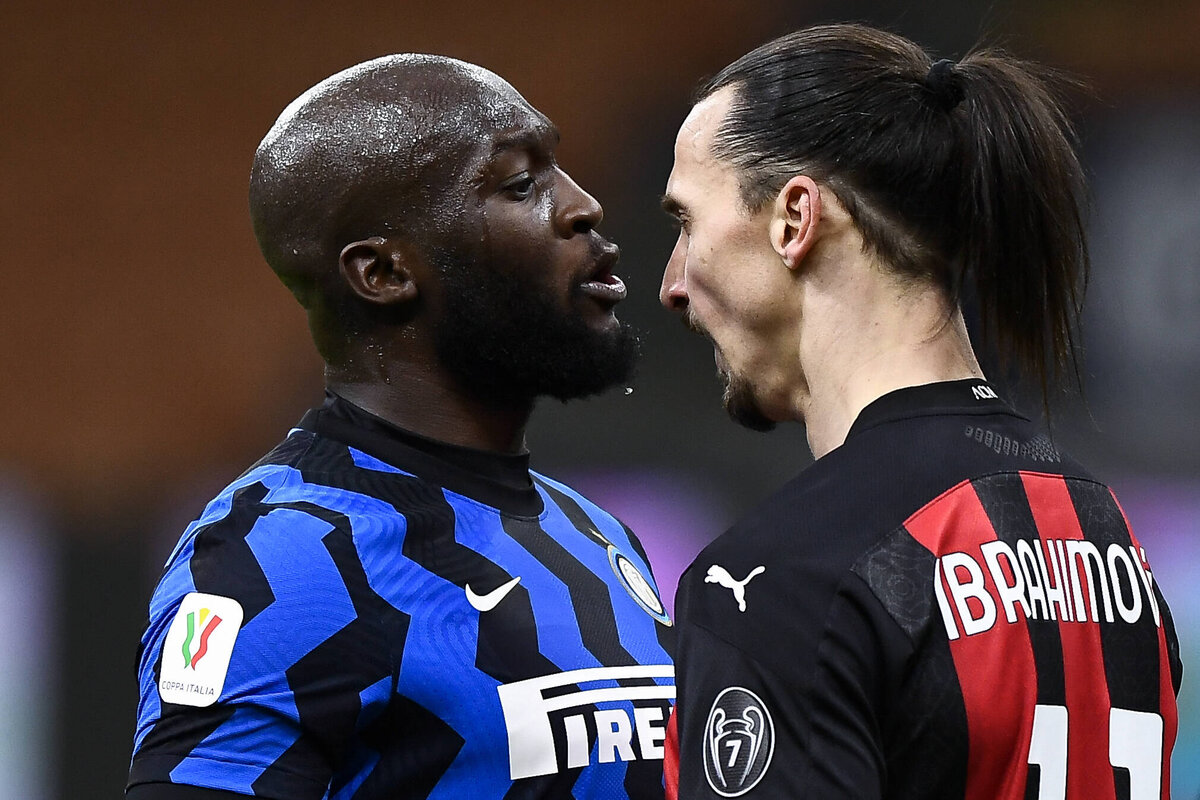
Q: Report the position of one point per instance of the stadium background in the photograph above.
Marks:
(150, 355)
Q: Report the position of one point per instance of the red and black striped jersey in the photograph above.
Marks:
(942, 607)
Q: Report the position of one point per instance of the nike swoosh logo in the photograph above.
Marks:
(486, 602)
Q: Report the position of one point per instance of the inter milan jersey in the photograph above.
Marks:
(942, 607)
(369, 614)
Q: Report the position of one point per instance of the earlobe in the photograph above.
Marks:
(378, 271)
(796, 218)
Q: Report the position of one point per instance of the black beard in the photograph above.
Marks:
(505, 338)
(741, 406)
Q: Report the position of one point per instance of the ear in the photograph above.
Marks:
(795, 219)
(378, 271)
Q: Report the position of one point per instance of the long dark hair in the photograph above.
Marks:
(955, 172)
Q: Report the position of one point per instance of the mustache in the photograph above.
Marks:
(689, 322)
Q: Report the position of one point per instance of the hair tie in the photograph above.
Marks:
(945, 84)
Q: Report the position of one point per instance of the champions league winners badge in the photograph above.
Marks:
(739, 741)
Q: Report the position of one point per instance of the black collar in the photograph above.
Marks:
(495, 479)
(972, 396)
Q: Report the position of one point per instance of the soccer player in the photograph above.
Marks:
(390, 604)
(943, 605)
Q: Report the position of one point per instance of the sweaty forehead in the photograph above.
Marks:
(395, 103)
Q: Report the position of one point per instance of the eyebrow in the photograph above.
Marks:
(545, 136)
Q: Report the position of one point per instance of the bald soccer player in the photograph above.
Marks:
(390, 604)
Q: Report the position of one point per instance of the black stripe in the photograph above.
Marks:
(915, 725)
(578, 517)
(507, 635)
(590, 597)
(1131, 655)
(223, 563)
(328, 681)
(291, 775)
(589, 593)
(286, 453)
(1007, 506)
(179, 730)
(1172, 642)
(415, 749)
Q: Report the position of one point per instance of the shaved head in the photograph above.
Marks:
(377, 150)
(415, 207)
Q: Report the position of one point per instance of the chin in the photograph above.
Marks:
(742, 406)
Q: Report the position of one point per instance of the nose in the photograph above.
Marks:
(672, 293)
(578, 211)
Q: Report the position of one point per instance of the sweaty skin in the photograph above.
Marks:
(390, 197)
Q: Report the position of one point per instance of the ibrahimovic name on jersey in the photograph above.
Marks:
(963, 613)
(366, 613)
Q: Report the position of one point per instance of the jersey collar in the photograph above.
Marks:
(973, 396)
(499, 480)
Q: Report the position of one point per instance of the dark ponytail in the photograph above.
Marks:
(964, 174)
(1023, 235)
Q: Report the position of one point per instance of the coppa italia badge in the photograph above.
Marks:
(739, 741)
(197, 649)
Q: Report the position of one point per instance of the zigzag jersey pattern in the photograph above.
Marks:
(360, 670)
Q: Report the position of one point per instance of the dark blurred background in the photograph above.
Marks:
(151, 355)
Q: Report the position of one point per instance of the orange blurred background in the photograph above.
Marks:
(151, 354)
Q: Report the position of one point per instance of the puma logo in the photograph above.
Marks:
(719, 575)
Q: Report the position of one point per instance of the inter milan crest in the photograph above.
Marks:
(739, 741)
(636, 584)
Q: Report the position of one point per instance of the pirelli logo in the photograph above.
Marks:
(529, 704)
(1067, 580)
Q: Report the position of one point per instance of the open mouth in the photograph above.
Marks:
(602, 285)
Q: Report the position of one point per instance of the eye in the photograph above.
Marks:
(518, 187)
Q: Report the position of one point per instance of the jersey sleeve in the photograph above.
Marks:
(802, 717)
(256, 670)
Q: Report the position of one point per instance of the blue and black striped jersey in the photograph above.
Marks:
(368, 614)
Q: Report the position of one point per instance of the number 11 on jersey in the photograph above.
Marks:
(1134, 743)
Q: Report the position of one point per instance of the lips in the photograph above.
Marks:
(601, 284)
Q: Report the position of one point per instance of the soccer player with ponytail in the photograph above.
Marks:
(943, 605)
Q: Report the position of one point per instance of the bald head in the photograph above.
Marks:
(379, 149)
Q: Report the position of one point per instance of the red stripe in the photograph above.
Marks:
(996, 669)
(208, 629)
(1089, 775)
(671, 757)
(1167, 708)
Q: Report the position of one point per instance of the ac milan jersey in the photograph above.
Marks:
(369, 614)
(942, 607)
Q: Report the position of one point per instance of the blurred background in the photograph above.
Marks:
(151, 355)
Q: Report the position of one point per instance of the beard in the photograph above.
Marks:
(738, 397)
(507, 338)
(741, 405)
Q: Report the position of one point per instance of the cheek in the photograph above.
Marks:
(725, 274)
(518, 238)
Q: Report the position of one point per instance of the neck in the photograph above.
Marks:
(432, 406)
(886, 337)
